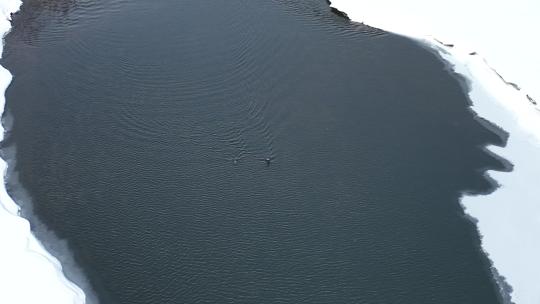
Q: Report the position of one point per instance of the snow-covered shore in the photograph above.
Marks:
(28, 273)
(463, 34)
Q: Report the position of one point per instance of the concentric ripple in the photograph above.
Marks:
(141, 140)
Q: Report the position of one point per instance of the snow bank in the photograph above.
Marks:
(503, 32)
(28, 273)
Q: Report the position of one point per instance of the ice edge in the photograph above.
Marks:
(508, 220)
(29, 274)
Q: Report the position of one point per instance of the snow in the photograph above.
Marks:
(503, 32)
(28, 273)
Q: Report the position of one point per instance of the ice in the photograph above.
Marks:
(503, 33)
(28, 273)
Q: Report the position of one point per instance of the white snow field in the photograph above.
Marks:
(28, 273)
(504, 33)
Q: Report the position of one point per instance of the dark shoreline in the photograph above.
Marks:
(337, 12)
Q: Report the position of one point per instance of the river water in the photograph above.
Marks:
(137, 132)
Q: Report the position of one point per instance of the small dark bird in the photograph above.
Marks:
(267, 160)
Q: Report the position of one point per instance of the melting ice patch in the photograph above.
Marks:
(28, 273)
(503, 92)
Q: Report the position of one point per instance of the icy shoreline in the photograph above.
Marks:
(28, 273)
(508, 220)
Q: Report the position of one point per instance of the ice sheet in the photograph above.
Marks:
(503, 32)
(28, 273)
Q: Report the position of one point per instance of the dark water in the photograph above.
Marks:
(138, 127)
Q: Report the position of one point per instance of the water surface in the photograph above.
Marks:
(138, 129)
